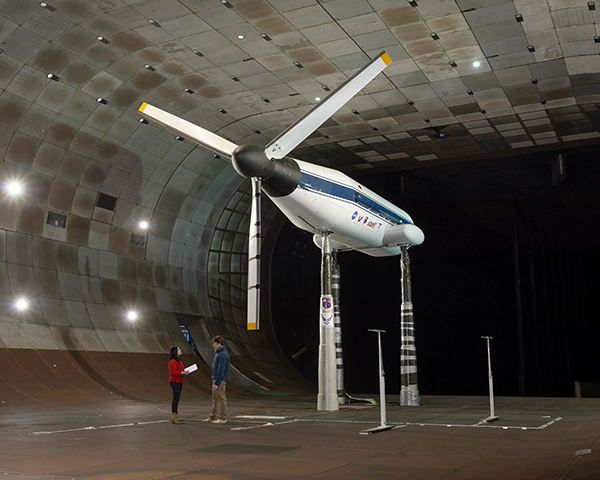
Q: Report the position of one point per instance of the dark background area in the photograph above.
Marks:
(511, 251)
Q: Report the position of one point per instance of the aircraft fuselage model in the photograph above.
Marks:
(316, 199)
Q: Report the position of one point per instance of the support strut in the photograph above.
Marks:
(409, 390)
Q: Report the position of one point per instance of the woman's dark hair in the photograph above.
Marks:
(173, 354)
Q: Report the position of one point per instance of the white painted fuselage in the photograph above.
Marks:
(327, 200)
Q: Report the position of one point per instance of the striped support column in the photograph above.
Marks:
(337, 328)
(409, 390)
(327, 397)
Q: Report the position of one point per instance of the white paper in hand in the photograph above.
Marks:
(192, 368)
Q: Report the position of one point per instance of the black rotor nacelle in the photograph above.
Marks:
(280, 177)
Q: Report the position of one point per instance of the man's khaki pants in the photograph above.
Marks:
(219, 402)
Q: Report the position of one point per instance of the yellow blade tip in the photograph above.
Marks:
(252, 326)
(143, 107)
(386, 58)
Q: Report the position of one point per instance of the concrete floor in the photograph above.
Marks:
(534, 439)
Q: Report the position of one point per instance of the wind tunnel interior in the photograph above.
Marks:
(81, 276)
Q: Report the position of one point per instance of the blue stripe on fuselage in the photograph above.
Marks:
(326, 187)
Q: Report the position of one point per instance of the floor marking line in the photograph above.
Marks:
(97, 428)
(261, 417)
(263, 425)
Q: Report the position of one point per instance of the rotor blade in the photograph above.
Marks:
(188, 129)
(299, 131)
(254, 246)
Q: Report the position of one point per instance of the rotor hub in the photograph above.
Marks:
(250, 161)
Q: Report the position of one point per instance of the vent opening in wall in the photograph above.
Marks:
(56, 219)
(107, 202)
(138, 240)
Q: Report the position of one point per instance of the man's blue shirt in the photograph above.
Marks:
(220, 369)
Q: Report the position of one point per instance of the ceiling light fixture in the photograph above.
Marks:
(256, 131)
(476, 63)
(355, 112)
(187, 90)
(143, 121)
(413, 3)
(226, 3)
(326, 88)
(103, 40)
(180, 138)
(591, 6)
(375, 128)
(266, 37)
(317, 99)
(14, 188)
(240, 37)
(470, 92)
(144, 225)
(410, 102)
(298, 64)
(217, 156)
(149, 67)
(434, 35)
(222, 110)
(531, 48)
(426, 120)
(196, 52)
(482, 111)
(453, 64)
(519, 17)
(266, 100)
(596, 39)
(234, 78)
(21, 304)
(132, 315)
(534, 80)
(47, 7)
(154, 22)
(101, 100)
(51, 76)
(542, 101)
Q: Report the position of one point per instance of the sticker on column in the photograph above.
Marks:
(327, 311)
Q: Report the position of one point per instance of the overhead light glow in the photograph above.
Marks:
(132, 315)
(476, 64)
(317, 99)
(21, 304)
(144, 225)
(14, 188)
(241, 37)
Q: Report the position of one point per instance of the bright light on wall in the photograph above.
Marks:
(132, 315)
(21, 304)
(14, 188)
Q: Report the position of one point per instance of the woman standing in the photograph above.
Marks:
(177, 372)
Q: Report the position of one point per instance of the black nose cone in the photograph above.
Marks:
(250, 161)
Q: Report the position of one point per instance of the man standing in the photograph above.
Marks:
(220, 375)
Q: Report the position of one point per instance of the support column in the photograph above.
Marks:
(409, 390)
(337, 327)
(327, 398)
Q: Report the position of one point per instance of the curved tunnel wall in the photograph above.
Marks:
(67, 148)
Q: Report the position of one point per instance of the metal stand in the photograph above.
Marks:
(337, 328)
(409, 390)
(492, 416)
(382, 402)
(327, 397)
